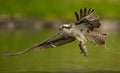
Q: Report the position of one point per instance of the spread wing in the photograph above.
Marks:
(88, 17)
(59, 39)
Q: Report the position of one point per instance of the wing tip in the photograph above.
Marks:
(84, 12)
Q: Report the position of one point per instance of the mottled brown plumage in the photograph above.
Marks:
(89, 17)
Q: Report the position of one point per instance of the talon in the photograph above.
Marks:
(83, 48)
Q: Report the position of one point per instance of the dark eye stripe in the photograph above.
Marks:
(67, 27)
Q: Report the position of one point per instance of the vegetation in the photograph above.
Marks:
(60, 9)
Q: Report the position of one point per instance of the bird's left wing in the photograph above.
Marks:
(59, 39)
(89, 17)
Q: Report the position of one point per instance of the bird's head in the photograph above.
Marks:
(66, 27)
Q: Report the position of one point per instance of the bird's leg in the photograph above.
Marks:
(83, 49)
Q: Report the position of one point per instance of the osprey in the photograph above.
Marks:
(84, 27)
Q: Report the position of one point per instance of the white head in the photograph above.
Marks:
(67, 28)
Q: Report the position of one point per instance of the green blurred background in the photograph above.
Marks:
(62, 9)
(17, 18)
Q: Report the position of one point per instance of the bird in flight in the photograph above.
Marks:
(84, 28)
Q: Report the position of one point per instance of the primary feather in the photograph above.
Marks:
(57, 40)
(89, 17)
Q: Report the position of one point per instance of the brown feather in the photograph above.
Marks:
(89, 17)
(96, 38)
(77, 16)
(57, 40)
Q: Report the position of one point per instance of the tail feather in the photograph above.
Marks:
(96, 38)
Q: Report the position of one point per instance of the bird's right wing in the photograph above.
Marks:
(59, 39)
(89, 17)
